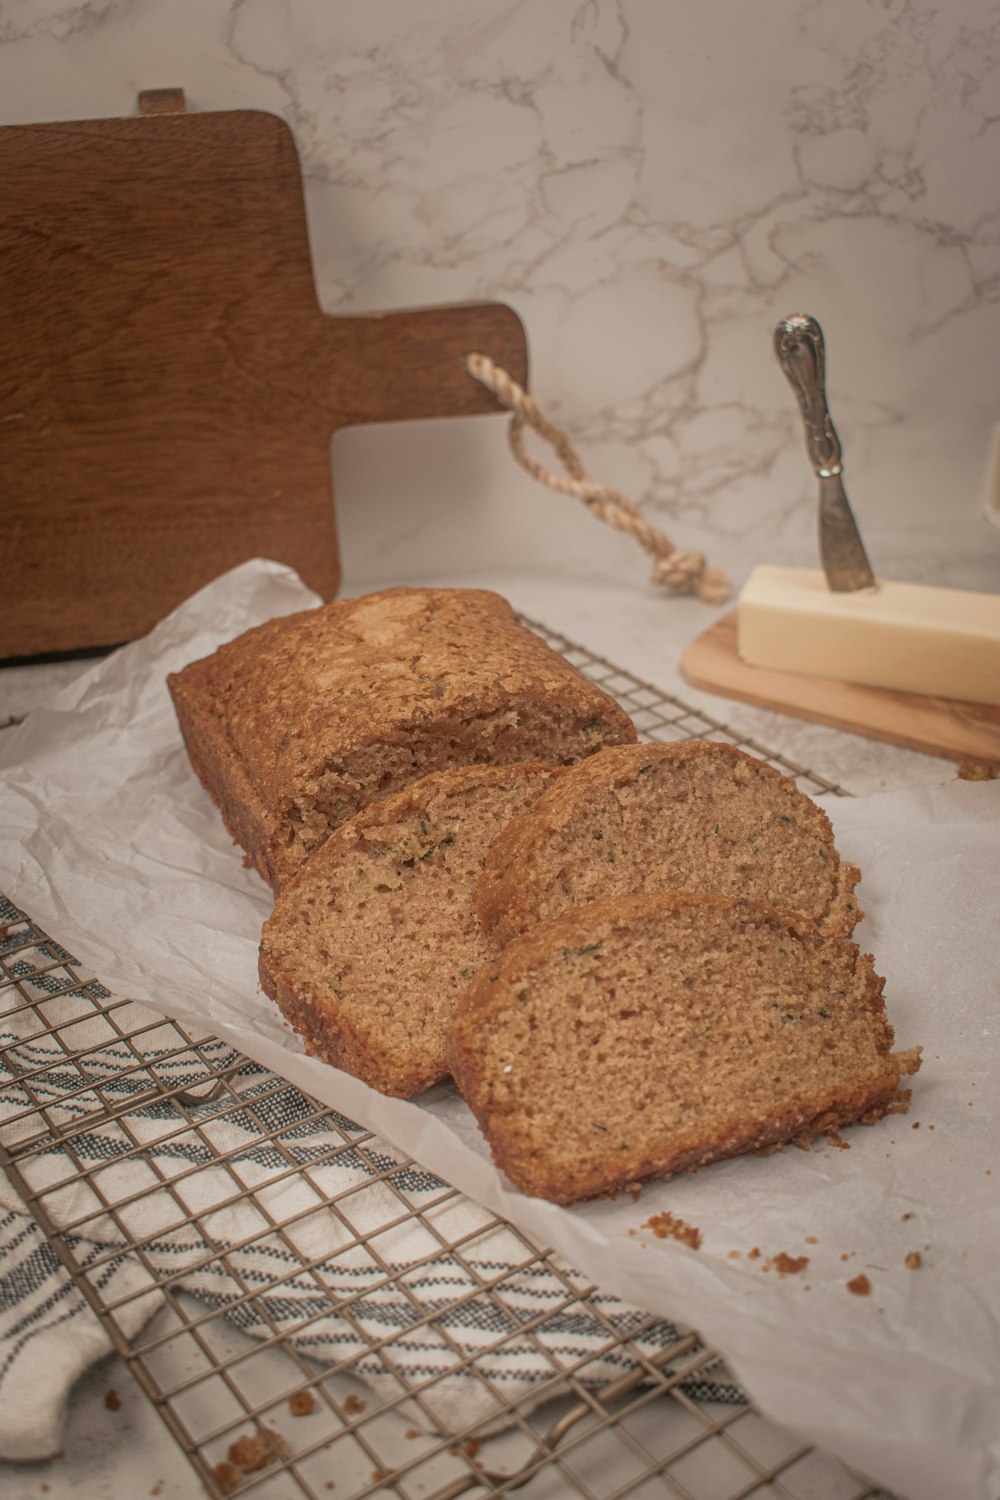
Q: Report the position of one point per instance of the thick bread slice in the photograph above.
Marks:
(369, 948)
(700, 816)
(645, 1035)
(299, 723)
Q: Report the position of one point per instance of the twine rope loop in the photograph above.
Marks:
(673, 568)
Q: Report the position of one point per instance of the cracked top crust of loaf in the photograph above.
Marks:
(697, 816)
(640, 1036)
(299, 723)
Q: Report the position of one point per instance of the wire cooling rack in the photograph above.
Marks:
(307, 1309)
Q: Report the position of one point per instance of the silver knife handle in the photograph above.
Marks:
(798, 343)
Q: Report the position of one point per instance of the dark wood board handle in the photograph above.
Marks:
(412, 363)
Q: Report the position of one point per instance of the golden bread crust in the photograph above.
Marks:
(302, 721)
(700, 815)
(639, 1036)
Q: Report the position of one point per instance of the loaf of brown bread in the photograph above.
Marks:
(370, 946)
(301, 722)
(698, 816)
(639, 1036)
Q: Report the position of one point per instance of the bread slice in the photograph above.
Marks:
(644, 1035)
(698, 816)
(370, 946)
(299, 723)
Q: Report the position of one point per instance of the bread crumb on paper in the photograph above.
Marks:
(786, 1265)
(250, 1453)
(860, 1285)
(666, 1226)
(302, 1403)
(227, 1476)
(113, 1401)
(913, 1260)
(977, 770)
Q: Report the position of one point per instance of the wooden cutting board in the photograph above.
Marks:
(170, 387)
(937, 726)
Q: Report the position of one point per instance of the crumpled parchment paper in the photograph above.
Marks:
(109, 841)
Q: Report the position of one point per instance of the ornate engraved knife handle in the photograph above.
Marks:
(798, 343)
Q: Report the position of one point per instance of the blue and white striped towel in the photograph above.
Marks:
(325, 1249)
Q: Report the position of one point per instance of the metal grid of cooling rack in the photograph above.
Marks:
(305, 1307)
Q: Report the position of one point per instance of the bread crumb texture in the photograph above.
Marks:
(644, 1035)
(251, 1452)
(301, 722)
(698, 816)
(786, 1265)
(666, 1226)
(860, 1286)
(227, 1476)
(368, 950)
(247, 1455)
(977, 770)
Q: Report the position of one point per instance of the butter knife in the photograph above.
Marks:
(798, 343)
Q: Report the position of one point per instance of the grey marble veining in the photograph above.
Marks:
(651, 187)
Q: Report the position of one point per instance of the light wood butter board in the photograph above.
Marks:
(937, 726)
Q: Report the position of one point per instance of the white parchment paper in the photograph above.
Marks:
(107, 839)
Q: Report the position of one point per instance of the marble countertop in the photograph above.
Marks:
(650, 188)
(613, 613)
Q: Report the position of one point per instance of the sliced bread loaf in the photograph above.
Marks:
(370, 946)
(644, 1035)
(699, 816)
(300, 723)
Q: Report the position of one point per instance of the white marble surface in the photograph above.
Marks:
(651, 187)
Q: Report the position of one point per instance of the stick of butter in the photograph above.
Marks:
(907, 636)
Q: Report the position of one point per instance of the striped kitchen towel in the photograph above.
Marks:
(281, 1216)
